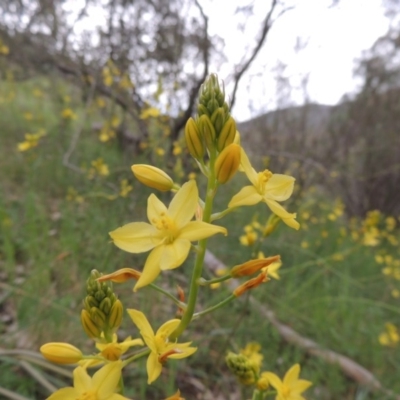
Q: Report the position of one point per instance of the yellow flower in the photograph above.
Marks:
(272, 268)
(114, 350)
(267, 187)
(67, 113)
(168, 235)
(160, 347)
(101, 387)
(291, 387)
(390, 337)
(176, 396)
(31, 140)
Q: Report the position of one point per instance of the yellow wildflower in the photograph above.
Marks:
(125, 188)
(176, 396)
(102, 386)
(67, 113)
(390, 337)
(114, 350)
(150, 112)
(31, 141)
(267, 187)
(168, 235)
(160, 347)
(99, 167)
(272, 268)
(291, 387)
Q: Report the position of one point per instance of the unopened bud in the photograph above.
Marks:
(202, 110)
(98, 317)
(207, 131)
(241, 367)
(194, 141)
(91, 329)
(252, 266)
(227, 163)
(227, 134)
(115, 316)
(218, 120)
(105, 305)
(122, 275)
(251, 284)
(153, 177)
(272, 223)
(61, 353)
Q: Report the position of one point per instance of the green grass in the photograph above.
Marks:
(331, 289)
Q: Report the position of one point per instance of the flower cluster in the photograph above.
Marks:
(174, 232)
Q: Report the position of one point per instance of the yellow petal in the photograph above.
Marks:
(153, 367)
(300, 386)
(140, 320)
(287, 218)
(174, 254)
(136, 237)
(82, 381)
(292, 374)
(184, 204)
(168, 327)
(197, 230)
(106, 379)
(274, 380)
(155, 208)
(183, 353)
(247, 168)
(68, 393)
(248, 196)
(151, 268)
(279, 187)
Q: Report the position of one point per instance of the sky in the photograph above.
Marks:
(333, 38)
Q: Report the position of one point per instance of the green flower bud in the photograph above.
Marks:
(227, 134)
(90, 328)
(105, 305)
(207, 131)
(98, 317)
(115, 317)
(212, 105)
(218, 119)
(194, 141)
(241, 367)
(201, 110)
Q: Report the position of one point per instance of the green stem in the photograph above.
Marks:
(142, 353)
(199, 261)
(169, 295)
(206, 282)
(215, 307)
(221, 214)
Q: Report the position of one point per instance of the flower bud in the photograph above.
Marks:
(105, 305)
(207, 131)
(241, 367)
(218, 120)
(98, 317)
(122, 275)
(252, 266)
(152, 177)
(227, 134)
(251, 284)
(227, 163)
(115, 316)
(90, 328)
(202, 110)
(194, 141)
(61, 353)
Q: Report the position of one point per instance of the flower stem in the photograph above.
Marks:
(215, 307)
(199, 261)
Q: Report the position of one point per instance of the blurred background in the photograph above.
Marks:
(90, 87)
